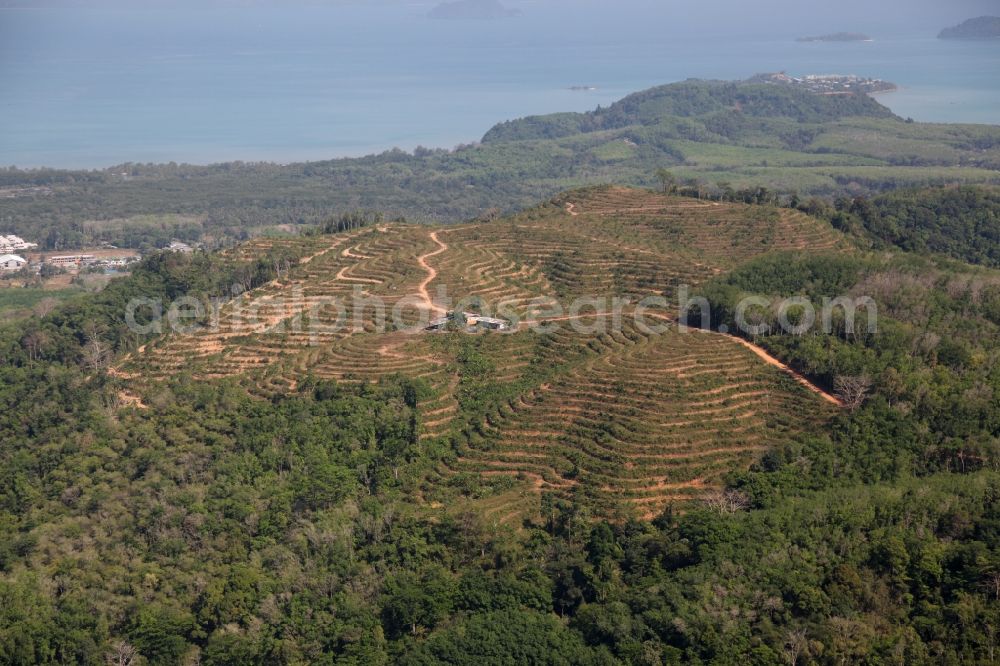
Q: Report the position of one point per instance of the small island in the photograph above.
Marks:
(984, 27)
(838, 37)
(479, 10)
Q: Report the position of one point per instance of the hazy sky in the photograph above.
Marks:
(772, 15)
(765, 15)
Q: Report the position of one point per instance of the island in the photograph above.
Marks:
(984, 27)
(827, 84)
(481, 10)
(838, 37)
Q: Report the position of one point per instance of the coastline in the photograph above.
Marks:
(887, 91)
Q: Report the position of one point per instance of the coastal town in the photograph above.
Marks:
(22, 258)
(827, 84)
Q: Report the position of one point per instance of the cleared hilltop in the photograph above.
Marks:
(640, 420)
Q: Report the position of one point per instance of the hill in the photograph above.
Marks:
(719, 135)
(604, 242)
(693, 99)
(275, 477)
(984, 27)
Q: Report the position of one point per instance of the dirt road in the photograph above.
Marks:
(431, 274)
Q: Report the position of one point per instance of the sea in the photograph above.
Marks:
(100, 86)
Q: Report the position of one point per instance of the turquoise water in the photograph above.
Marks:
(97, 87)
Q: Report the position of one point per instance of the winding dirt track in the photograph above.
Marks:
(763, 355)
(760, 352)
(431, 274)
(799, 377)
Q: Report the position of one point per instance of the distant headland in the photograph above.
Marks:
(984, 27)
(480, 10)
(838, 37)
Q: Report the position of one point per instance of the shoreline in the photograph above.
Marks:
(290, 158)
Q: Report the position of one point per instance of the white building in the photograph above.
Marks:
(12, 262)
(178, 246)
(71, 259)
(472, 321)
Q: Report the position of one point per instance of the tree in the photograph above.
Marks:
(122, 654)
(667, 181)
(796, 646)
(96, 353)
(852, 391)
(45, 307)
(728, 501)
(34, 342)
(414, 602)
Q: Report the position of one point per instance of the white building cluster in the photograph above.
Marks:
(10, 249)
(12, 244)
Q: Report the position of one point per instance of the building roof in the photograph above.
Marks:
(472, 320)
(4, 258)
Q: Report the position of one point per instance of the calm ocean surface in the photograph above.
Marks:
(94, 88)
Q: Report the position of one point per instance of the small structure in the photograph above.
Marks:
(12, 262)
(177, 246)
(470, 321)
(486, 323)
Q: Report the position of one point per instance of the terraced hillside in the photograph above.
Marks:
(633, 422)
(633, 415)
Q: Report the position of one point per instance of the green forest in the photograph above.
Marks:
(220, 526)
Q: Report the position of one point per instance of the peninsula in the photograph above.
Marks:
(984, 27)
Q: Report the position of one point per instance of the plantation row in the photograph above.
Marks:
(619, 241)
(634, 422)
(719, 233)
(297, 311)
